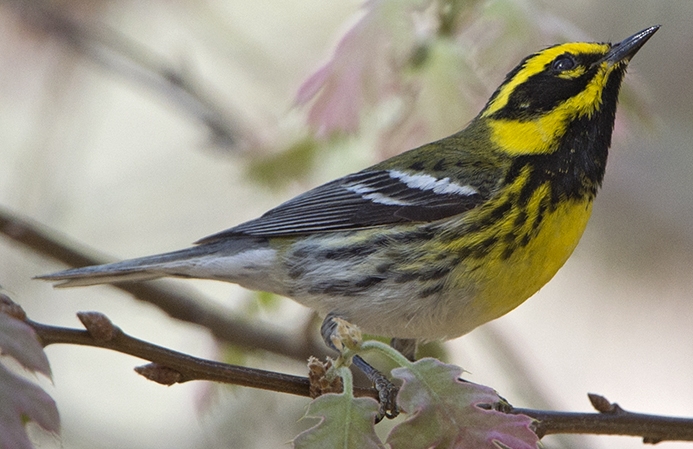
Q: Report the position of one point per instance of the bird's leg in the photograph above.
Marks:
(406, 347)
(387, 391)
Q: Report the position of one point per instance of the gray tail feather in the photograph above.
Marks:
(149, 267)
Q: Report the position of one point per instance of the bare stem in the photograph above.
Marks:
(652, 428)
(170, 366)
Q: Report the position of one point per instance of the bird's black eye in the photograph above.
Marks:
(563, 63)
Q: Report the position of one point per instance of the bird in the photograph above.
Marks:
(438, 240)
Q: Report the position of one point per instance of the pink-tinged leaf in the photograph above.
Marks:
(345, 422)
(362, 69)
(19, 341)
(444, 412)
(313, 84)
(21, 400)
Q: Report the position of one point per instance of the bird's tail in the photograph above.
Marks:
(198, 261)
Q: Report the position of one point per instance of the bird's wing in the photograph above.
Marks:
(365, 199)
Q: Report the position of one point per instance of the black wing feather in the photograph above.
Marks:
(362, 200)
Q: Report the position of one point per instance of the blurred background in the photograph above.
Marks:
(138, 127)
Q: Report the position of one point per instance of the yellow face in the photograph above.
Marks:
(539, 63)
(530, 112)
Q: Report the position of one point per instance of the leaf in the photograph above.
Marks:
(360, 72)
(18, 340)
(20, 399)
(345, 422)
(444, 412)
(23, 400)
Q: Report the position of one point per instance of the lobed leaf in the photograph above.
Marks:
(20, 399)
(345, 422)
(19, 341)
(360, 72)
(445, 412)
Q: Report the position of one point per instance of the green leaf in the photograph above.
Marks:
(444, 412)
(345, 421)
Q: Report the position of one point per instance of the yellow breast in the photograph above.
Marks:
(505, 283)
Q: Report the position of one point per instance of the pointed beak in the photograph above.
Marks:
(628, 47)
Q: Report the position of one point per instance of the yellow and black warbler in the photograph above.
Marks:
(438, 240)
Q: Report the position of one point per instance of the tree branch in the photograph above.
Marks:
(177, 301)
(611, 420)
(169, 367)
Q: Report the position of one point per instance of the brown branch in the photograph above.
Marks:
(171, 367)
(168, 366)
(120, 55)
(611, 420)
(175, 300)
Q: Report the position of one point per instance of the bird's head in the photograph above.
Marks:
(531, 111)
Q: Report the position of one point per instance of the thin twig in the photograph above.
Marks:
(170, 367)
(652, 428)
(178, 302)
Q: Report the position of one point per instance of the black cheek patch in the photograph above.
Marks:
(540, 94)
(544, 91)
